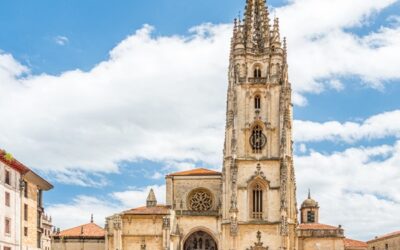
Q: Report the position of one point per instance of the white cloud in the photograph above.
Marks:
(321, 47)
(376, 127)
(356, 188)
(155, 98)
(81, 207)
(163, 98)
(61, 40)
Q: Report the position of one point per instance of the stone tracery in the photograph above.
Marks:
(200, 200)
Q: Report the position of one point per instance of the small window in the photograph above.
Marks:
(25, 189)
(386, 246)
(7, 225)
(311, 216)
(257, 72)
(25, 212)
(25, 231)
(257, 198)
(7, 177)
(6, 248)
(7, 199)
(257, 102)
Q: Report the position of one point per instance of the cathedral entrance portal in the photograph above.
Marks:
(200, 240)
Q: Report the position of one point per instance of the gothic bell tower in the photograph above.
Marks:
(258, 174)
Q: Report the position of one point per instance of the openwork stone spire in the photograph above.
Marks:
(151, 199)
(256, 25)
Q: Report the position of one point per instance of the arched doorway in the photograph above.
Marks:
(200, 240)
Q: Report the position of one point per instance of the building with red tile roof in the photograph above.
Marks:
(88, 236)
(23, 207)
(196, 172)
(350, 244)
(385, 242)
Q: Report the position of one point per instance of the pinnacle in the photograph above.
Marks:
(151, 199)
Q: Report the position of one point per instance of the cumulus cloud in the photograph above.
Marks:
(356, 188)
(155, 98)
(322, 47)
(379, 126)
(81, 207)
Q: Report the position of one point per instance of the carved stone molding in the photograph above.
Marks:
(258, 174)
(259, 245)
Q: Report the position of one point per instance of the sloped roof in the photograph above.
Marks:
(156, 210)
(30, 175)
(354, 243)
(13, 163)
(397, 233)
(316, 226)
(86, 230)
(196, 172)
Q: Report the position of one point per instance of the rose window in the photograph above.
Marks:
(200, 201)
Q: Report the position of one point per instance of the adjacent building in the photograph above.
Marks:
(389, 241)
(21, 191)
(84, 237)
(47, 226)
(313, 235)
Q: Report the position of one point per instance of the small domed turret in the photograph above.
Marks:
(309, 210)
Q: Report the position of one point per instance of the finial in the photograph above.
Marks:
(309, 194)
(151, 199)
(81, 229)
(259, 236)
(91, 218)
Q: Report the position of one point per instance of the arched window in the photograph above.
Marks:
(257, 72)
(310, 216)
(257, 201)
(257, 139)
(257, 102)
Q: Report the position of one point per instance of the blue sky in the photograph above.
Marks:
(80, 74)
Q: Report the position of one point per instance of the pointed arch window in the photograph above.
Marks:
(257, 72)
(257, 201)
(257, 102)
(257, 139)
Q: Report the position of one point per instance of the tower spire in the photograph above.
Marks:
(151, 199)
(256, 24)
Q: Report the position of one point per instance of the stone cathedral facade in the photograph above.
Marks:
(251, 204)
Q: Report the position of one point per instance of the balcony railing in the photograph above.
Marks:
(258, 80)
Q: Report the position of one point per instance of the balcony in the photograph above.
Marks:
(258, 80)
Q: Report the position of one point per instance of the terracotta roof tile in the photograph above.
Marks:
(397, 233)
(159, 209)
(316, 226)
(196, 172)
(354, 243)
(87, 230)
(13, 163)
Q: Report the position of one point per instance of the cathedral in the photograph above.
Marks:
(251, 204)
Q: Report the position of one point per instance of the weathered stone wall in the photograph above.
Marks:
(79, 244)
(393, 243)
(31, 240)
(321, 243)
